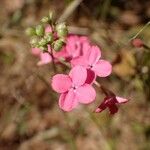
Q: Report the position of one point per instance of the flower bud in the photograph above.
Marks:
(40, 30)
(43, 42)
(43, 48)
(45, 19)
(61, 29)
(34, 42)
(58, 44)
(49, 37)
(30, 31)
(50, 16)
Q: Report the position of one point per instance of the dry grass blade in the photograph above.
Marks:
(69, 10)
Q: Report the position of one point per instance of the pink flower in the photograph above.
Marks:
(45, 57)
(76, 45)
(95, 66)
(73, 88)
(111, 102)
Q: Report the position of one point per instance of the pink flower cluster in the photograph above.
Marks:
(86, 65)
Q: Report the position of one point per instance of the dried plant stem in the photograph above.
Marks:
(144, 27)
(69, 10)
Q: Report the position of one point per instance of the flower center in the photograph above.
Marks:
(74, 87)
(90, 66)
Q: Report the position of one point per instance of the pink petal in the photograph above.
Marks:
(91, 76)
(121, 100)
(79, 61)
(98, 110)
(36, 51)
(78, 75)
(102, 68)
(61, 83)
(85, 48)
(86, 94)
(45, 58)
(48, 29)
(73, 48)
(113, 109)
(68, 101)
(93, 55)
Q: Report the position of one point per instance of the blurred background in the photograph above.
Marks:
(30, 118)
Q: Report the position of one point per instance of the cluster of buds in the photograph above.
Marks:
(55, 36)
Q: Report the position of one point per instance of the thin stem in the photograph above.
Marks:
(69, 10)
(53, 62)
(64, 63)
(104, 89)
(145, 26)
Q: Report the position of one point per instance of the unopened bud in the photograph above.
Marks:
(61, 29)
(43, 42)
(45, 19)
(30, 31)
(49, 37)
(50, 16)
(40, 30)
(43, 48)
(34, 42)
(138, 43)
(58, 44)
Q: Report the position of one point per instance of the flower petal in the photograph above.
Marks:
(45, 58)
(61, 83)
(102, 68)
(101, 107)
(68, 101)
(78, 75)
(48, 29)
(93, 55)
(86, 94)
(82, 61)
(85, 48)
(73, 46)
(91, 76)
(121, 100)
(113, 109)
